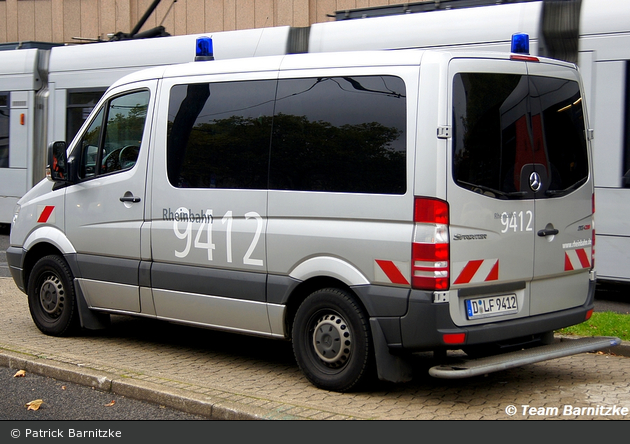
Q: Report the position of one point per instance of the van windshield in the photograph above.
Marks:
(508, 126)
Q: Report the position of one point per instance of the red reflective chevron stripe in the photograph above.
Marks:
(576, 259)
(468, 272)
(392, 272)
(46, 212)
(582, 256)
(494, 273)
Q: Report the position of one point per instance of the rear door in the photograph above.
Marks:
(564, 199)
(492, 209)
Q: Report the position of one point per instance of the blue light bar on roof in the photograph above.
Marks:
(520, 43)
(205, 51)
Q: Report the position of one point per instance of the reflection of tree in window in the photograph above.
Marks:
(117, 149)
(319, 156)
(322, 141)
(219, 134)
(125, 124)
(340, 134)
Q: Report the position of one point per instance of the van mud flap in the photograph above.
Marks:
(466, 368)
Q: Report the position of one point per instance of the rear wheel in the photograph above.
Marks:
(51, 297)
(331, 340)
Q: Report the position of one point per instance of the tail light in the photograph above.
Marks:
(430, 249)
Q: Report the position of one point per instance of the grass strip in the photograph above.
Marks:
(605, 323)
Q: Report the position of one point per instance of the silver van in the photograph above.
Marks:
(364, 205)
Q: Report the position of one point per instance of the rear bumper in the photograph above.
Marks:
(476, 367)
(425, 323)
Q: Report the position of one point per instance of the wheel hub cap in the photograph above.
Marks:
(332, 340)
(51, 295)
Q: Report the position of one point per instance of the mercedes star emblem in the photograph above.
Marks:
(534, 181)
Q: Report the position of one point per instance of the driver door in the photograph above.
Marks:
(105, 207)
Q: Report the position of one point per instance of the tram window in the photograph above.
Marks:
(4, 129)
(80, 104)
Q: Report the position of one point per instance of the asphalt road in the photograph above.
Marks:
(613, 297)
(67, 401)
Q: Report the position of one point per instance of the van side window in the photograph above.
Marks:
(340, 134)
(112, 141)
(507, 126)
(218, 134)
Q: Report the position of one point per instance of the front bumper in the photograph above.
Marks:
(15, 259)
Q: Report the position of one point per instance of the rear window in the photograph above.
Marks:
(508, 126)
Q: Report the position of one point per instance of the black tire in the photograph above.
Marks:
(332, 342)
(51, 297)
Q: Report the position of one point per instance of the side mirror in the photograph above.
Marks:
(57, 168)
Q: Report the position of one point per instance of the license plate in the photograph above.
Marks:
(491, 306)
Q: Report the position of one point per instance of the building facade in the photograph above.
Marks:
(73, 21)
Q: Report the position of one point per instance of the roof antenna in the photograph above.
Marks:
(262, 30)
(168, 12)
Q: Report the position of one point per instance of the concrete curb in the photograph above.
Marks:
(181, 400)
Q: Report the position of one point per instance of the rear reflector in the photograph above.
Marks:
(454, 338)
(588, 314)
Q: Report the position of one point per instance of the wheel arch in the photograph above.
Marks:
(43, 242)
(321, 272)
(329, 266)
(37, 251)
(306, 288)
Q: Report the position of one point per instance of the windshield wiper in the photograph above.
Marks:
(575, 186)
(492, 190)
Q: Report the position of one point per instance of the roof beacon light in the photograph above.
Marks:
(205, 50)
(520, 43)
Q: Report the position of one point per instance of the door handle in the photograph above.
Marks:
(133, 199)
(548, 232)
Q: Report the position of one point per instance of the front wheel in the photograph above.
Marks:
(331, 340)
(51, 298)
